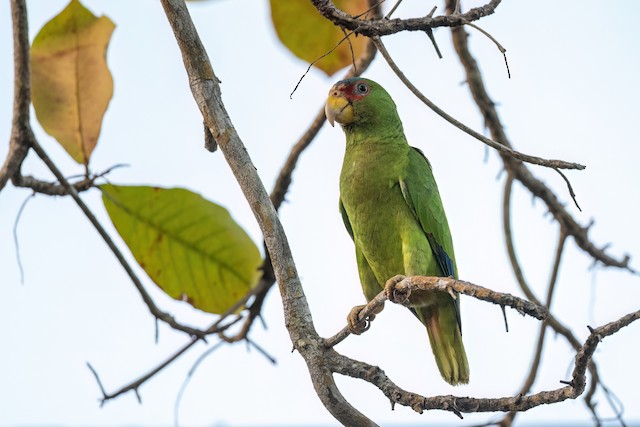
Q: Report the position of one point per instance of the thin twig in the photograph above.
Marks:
(559, 164)
(135, 385)
(15, 235)
(373, 7)
(261, 350)
(353, 56)
(518, 169)
(216, 327)
(535, 364)
(393, 9)
(284, 178)
(431, 36)
(554, 323)
(571, 193)
(183, 387)
(346, 36)
(501, 48)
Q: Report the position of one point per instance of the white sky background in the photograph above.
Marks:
(573, 95)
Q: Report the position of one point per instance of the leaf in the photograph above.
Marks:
(190, 247)
(308, 35)
(71, 85)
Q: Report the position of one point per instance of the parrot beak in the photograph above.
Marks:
(338, 108)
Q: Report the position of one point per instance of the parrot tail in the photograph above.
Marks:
(446, 342)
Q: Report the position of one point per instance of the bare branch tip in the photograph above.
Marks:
(346, 37)
(97, 377)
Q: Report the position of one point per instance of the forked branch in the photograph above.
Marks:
(520, 172)
(458, 405)
(383, 27)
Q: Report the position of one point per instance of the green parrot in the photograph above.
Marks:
(391, 208)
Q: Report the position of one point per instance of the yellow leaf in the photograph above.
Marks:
(308, 35)
(71, 85)
(190, 247)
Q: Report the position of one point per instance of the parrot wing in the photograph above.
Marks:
(420, 192)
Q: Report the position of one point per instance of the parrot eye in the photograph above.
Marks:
(362, 88)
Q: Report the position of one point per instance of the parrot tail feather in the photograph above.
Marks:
(446, 343)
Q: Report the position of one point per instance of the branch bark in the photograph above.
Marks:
(459, 405)
(51, 188)
(383, 27)
(399, 289)
(516, 167)
(207, 94)
(266, 282)
(21, 133)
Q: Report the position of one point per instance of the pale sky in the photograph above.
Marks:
(572, 96)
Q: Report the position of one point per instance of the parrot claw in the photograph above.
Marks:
(395, 294)
(356, 325)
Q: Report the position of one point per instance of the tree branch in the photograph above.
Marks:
(57, 189)
(399, 289)
(383, 27)
(22, 138)
(21, 133)
(216, 327)
(503, 149)
(517, 168)
(320, 360)
(458, 405)
(535, 364)
(552, 322)
(136, 384)
(260, 291)
(206, 92)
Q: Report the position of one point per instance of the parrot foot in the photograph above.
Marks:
(356, 325)
(395, 294)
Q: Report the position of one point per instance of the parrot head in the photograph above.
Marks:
(359, 102)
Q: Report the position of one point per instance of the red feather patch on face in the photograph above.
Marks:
(352, 89)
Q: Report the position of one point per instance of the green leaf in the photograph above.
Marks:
(190, 247)
(71, 85)
(308, 35)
